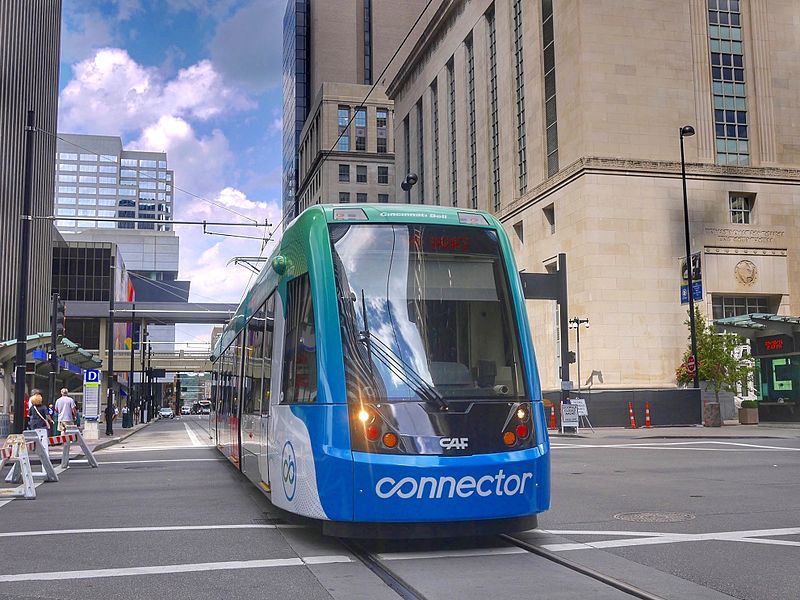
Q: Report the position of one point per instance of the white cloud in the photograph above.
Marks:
(248, 48)
(111, 93)
(83, 32)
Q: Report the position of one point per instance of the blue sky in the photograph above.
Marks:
(201, 80)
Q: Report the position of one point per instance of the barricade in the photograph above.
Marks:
(647, 424)
(630, 415)
(552, 418)
(15, 451)
(71, 435)
(33, 444)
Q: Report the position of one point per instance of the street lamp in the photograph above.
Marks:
(576, 323)
(688, 131)
(409, 182)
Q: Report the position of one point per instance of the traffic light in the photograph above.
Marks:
(59, 318)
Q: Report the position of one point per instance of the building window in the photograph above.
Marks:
(473, 145)
(383, 198)
(435, 122)
(549, 213)
(493, 113)
(451, 93)
(361, 173)
(67, 167)
(549, 54)
(728, 84)
(741, 208)
(344, 173)
(92, 157)
(383, 175)
(68, 178)
(420, 152)
(382, 129)
(367, 42)
(735, 306)
(519, 97)
(344, 134)
(344, 197)
(361, 198)
(67, 156)
(361, 129)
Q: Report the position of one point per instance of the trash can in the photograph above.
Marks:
(127, 418)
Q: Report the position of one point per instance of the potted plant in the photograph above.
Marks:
(748, 412)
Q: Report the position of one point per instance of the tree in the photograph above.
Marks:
(716, 363)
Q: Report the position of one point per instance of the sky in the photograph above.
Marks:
(200, 80)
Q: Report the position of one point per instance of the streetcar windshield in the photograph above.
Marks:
(439, 323)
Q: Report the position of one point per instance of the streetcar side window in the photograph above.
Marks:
(258, 358)
(300, 348)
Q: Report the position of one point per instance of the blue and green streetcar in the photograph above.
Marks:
(379, 376)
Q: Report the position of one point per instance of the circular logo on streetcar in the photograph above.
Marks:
(288, 471)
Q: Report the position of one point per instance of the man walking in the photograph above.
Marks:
(67, 410)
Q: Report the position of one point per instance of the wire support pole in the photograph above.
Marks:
(22, 273)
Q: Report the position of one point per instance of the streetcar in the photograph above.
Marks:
(379, 376)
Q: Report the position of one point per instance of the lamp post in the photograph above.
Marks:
(576, 323)
(688, 131)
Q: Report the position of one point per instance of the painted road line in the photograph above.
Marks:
(452, 553)
(155, 448)
(169, 569)
(160, 460)
(192, 436)
(599, 532)
(11, 534)
(751, 536)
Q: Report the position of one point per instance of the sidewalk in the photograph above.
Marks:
(727, 431)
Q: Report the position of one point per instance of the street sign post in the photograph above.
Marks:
(92, 379)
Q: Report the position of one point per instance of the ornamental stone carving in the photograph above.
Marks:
(745, 272)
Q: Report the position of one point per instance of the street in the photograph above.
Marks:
(166, 516)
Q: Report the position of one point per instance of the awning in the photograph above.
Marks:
(68, 351)
(760, 324)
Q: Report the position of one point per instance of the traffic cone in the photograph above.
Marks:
(630, 414)
(552, 417)
(647, 424)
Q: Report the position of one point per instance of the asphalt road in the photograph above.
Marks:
(715, 488)
(178, 521)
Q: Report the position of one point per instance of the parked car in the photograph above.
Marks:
(185, 410)
(165, 412)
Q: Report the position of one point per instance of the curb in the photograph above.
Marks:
(122, 438)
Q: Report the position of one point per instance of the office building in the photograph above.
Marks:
(347, 42)
(97, 178)
(563, 119)
(28, 81)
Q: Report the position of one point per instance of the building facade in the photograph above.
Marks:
(563, 119)
(97, 178)
(28, 81)
(344, 42)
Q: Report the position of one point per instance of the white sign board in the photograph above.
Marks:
(91, 394)
(569, 415)
(581, 404)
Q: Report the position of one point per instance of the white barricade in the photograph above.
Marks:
(34, 443)
(15, 452)
(71, 435)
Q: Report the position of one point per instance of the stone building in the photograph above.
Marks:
(563, 119)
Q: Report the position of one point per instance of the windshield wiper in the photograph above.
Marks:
(380, 350)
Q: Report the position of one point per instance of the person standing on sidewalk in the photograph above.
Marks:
(67, 411)
(39, 421)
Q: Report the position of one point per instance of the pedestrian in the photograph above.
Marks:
(39, 420)
(51, 412)
(67, 411)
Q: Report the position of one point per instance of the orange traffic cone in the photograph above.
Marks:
(647, 424)
(630, 414)
(552, 417)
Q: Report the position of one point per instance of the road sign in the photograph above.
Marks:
(91, 394)
(691, 365)
(569, 415)
(581, 404)
(92, 376)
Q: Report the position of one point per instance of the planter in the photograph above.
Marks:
(711, 415)
(748, 416)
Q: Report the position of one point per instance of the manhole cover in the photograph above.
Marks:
(654, 517)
